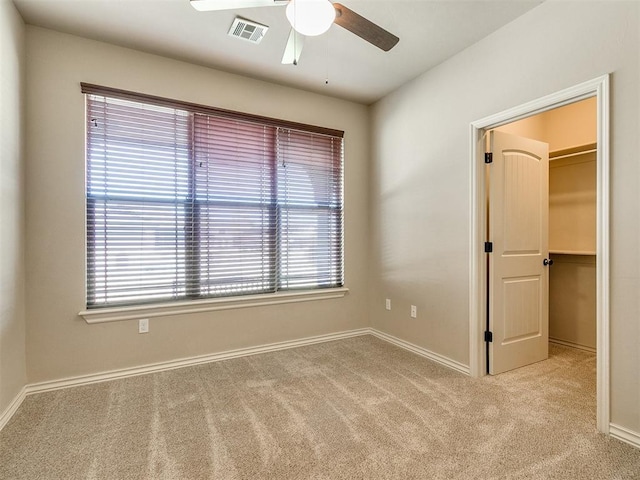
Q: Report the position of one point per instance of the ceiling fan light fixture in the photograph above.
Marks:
(310, 17)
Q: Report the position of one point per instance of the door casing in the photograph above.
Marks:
(598, 88)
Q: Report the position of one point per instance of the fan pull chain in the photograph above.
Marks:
(295, 47)
(295, 36)
(326, 78)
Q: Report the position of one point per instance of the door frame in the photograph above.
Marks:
(598, 88)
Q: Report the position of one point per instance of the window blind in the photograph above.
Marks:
(186, 203)
(309, 186)
(235, 206)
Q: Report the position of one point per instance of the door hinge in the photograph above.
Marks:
(488, 336)
(488, 247)
(488, 157)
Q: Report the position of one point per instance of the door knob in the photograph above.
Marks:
(547, 261)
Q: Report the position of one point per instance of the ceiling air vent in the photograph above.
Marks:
(247, 30)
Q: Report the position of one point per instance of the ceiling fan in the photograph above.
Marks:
(310, 18)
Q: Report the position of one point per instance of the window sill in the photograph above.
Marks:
(135, 312)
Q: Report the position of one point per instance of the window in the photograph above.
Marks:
(191, 202)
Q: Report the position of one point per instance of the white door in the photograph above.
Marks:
(518, 273)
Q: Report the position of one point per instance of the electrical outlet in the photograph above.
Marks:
(387, 304)
(414, 311)
(143, 325)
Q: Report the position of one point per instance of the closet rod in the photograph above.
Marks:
(573, 154)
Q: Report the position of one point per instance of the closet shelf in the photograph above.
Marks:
(571, 252)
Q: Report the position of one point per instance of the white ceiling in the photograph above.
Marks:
(430, 31)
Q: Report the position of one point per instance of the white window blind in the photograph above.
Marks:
(187, 202)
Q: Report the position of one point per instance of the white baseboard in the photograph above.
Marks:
(241, 352)
(616, 431)
(571, 344)
(436, 357)
(186, 362)
(625, 435)
(12, 408)
(216, 357)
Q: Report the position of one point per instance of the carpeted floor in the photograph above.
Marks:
(352, 409)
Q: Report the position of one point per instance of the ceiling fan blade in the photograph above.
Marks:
(293, 49)
(209, 5)
(365, 29)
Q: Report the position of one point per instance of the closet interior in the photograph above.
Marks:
(572, 245)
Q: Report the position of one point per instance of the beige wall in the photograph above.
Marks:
(61, 344)
(420, 177)
(573, 125)
(12, 317)
(572, 204)
(572, 300)
(531, 127)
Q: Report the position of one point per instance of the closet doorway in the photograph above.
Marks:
(574, 123)
(570, 132)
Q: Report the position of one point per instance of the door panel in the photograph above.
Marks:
(518, 228)
(521, 203)
(521, 309)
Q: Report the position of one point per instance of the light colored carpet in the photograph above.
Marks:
(352, 409)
